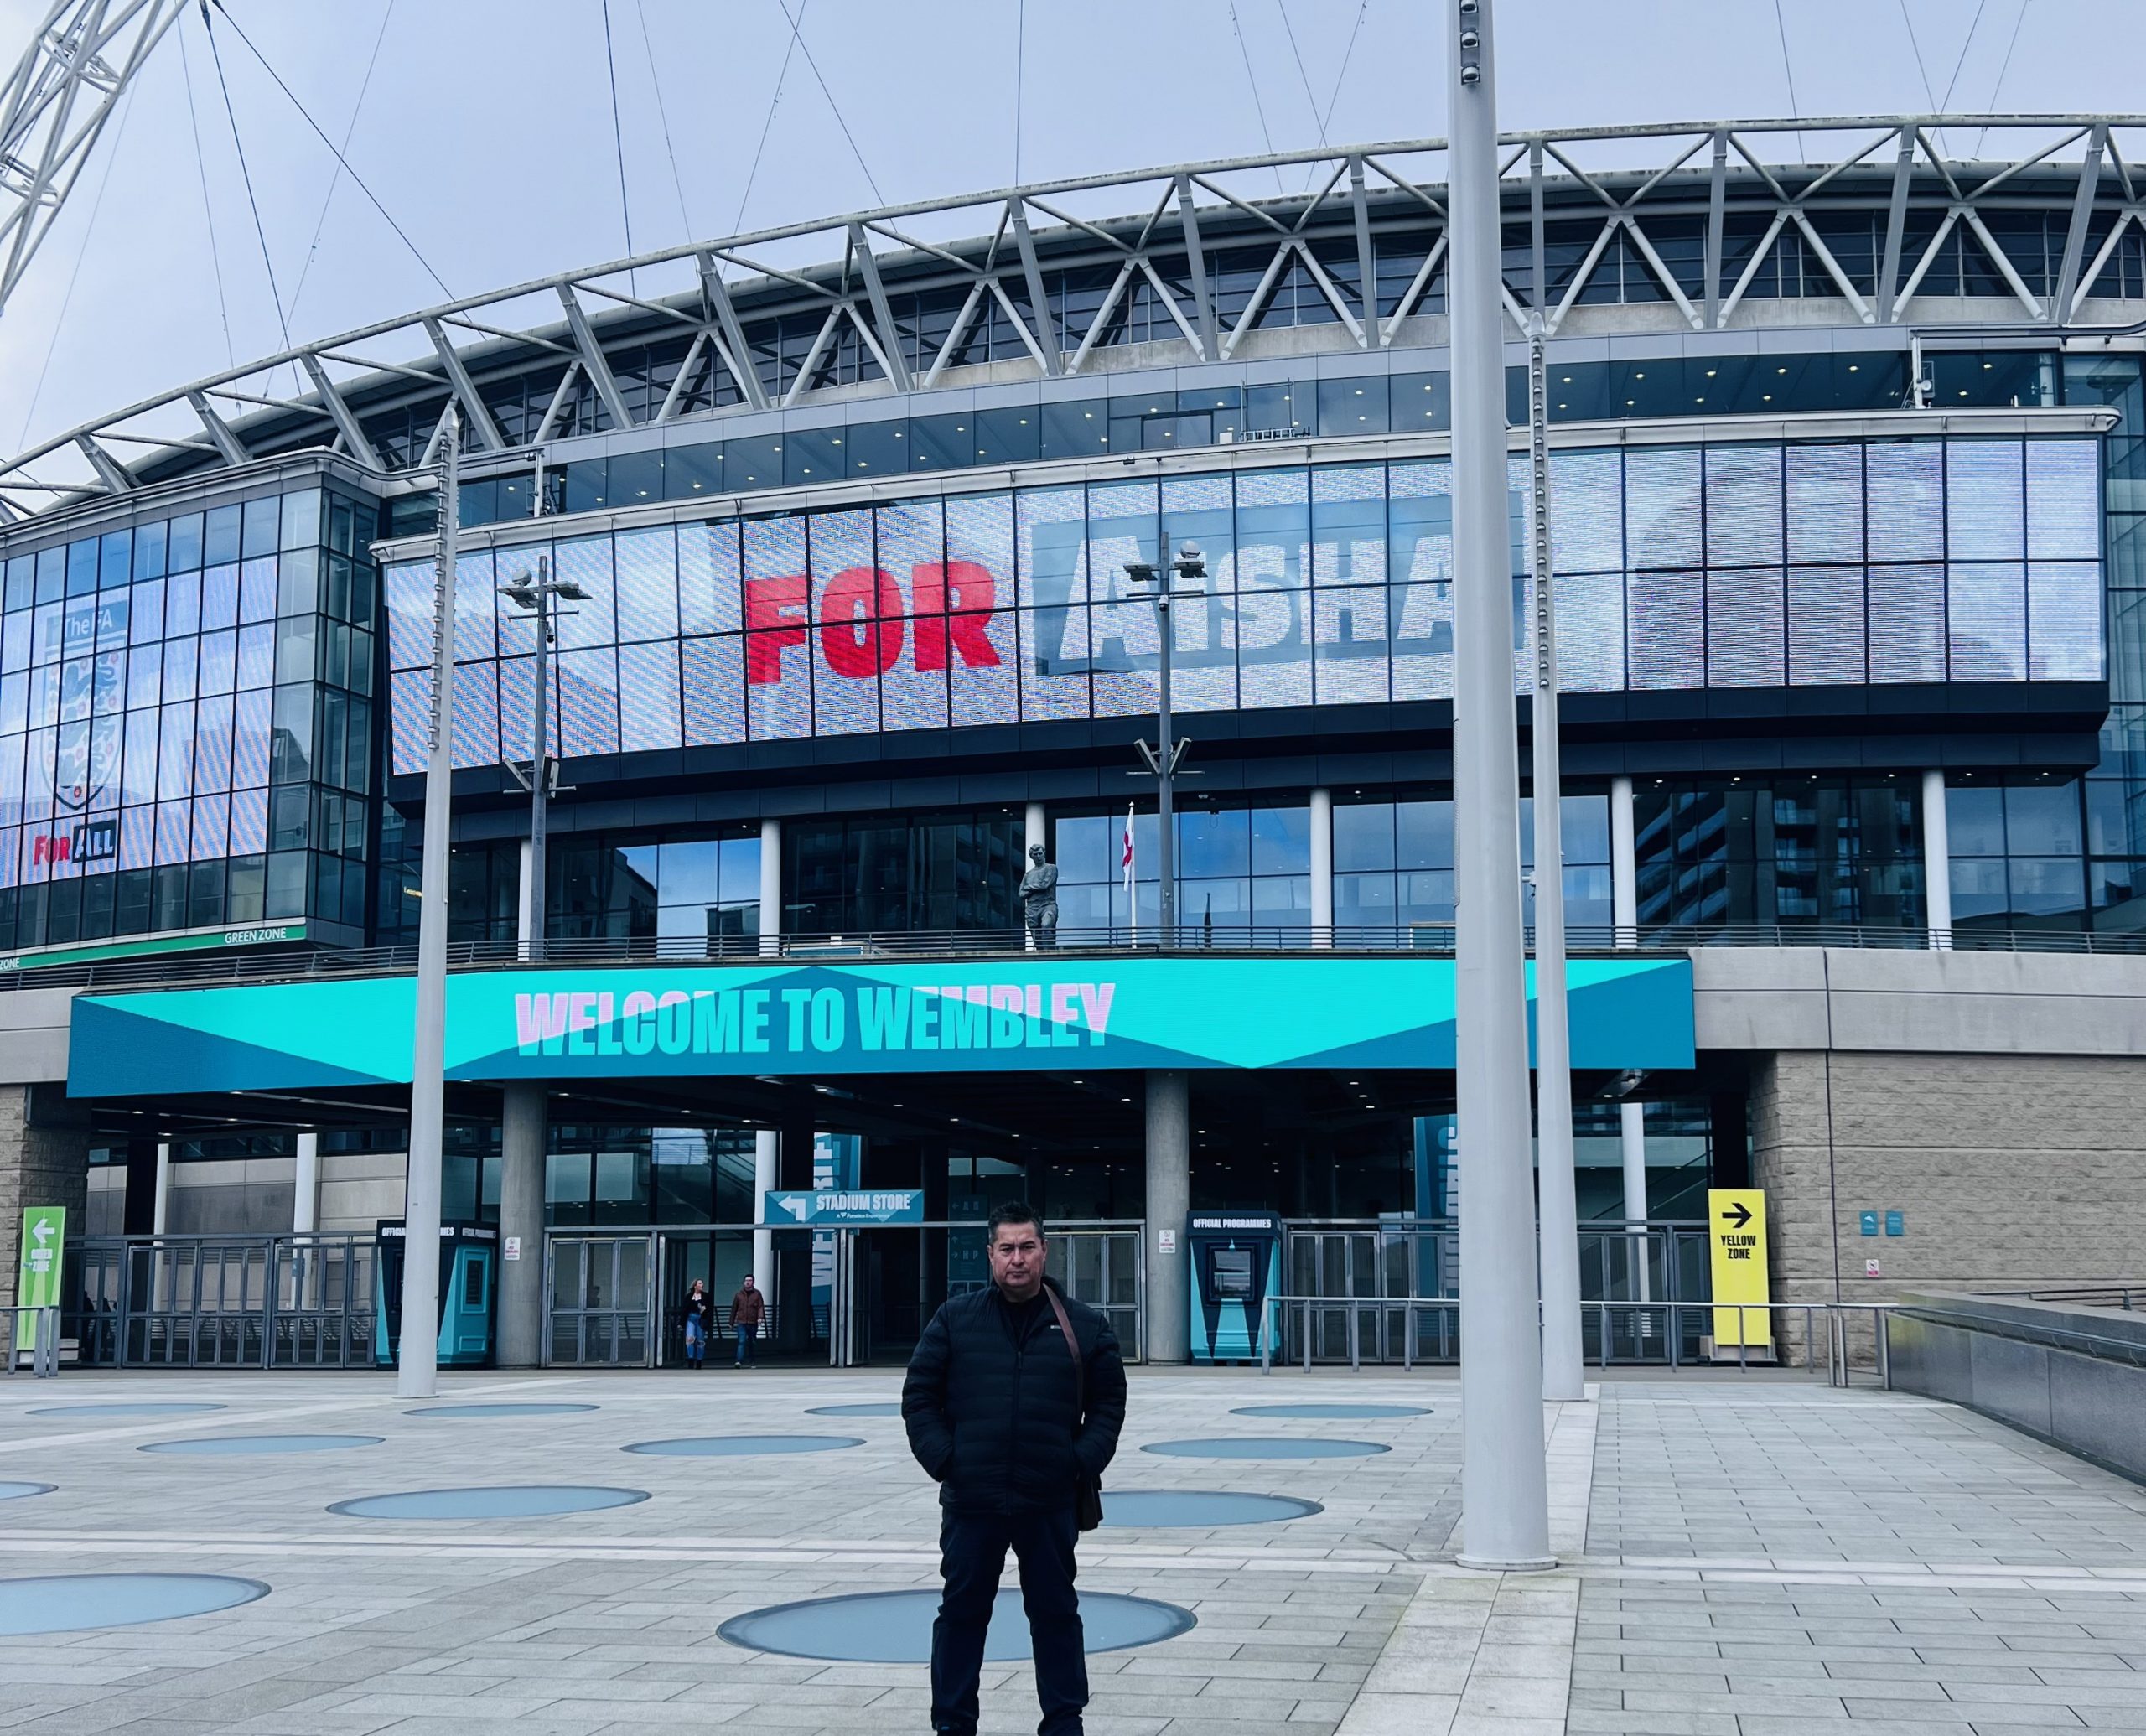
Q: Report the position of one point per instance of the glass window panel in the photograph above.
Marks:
(1590, 632)
(1271, 629)
(411, 701)
(256, 654)
(212, 745)
(1424, 897)
(1124, 643)
(251, 734)
(1055, 660)
(1825, 626)
(410, 592)
(1348, 527)
(1363, 835)
(1974, 819)
(1122, 526)
(714, 672)
(182, 605)
(476, 607)
(587, 561)
(982, 659)
(211, 831)
(1281, 841)
(1905, 482)
(1586, 512)
(1422, 646)
(1423, 834)
(2047, 886)
(588, 701)
(910, 537)
(1985, 497)
(1214, 844)
(1745, 644)
(257, 590)
(2064, 621)
(708, 578)
(263, 526)
(219, 598)
(476, 714)
(2064, 515)
(648, 584)
(175, 757)
(301, 518)
(137, 758)
(2043, 820)
(1351, 643)
(649, 718)
(778, 651)
(1825, 503)
(517, 680)
(173, 819)
(1665, 613)
(219, 662)
(1905, 609)
(1662, 507)
(150, 544)
(1987, 620)
(1744, 505)
(1419, 522)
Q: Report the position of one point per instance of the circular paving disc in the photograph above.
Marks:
(522, 1500)
(895, 1627)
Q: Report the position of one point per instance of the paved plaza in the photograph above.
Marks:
(1741, 1556)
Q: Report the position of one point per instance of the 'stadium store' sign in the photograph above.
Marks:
(750, 1020)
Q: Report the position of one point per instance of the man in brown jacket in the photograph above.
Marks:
(747, 1308)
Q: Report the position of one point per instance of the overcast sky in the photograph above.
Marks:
(484, 128)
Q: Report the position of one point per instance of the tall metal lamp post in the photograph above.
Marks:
(1504, 1502)
(1163, 758)
(539, 592)
(416, 1366)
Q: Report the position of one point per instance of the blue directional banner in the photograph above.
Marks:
(832, 1208)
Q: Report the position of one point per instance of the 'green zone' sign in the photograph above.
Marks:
(37, 1283)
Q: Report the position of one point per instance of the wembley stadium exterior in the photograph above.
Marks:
(1844, 421)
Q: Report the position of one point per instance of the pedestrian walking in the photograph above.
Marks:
(697, 1311)
(747, 1308)
(1013, 1402)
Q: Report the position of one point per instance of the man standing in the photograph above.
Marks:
(1011, 1428)
(747, 1308)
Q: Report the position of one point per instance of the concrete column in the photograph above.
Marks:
(305, 1198)
(770, 891)
(523, 1111)
(529, 901)
(1624, 864)
(1322, 867)
(767, 1177)
(1936, 862)
(1170, 1198)
(1631, 1130)
(163, 1188)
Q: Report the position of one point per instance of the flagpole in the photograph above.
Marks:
(1132, 892)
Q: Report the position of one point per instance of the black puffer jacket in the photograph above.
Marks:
(990, 1407)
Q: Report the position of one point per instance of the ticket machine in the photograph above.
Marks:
(1236, 1264)
(468, 1274)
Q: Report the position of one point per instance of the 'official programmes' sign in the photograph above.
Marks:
(1092, 1012)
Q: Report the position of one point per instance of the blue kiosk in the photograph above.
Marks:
(468, 1270)
(1236, 1264)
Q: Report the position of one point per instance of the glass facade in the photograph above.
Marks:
(1236, 866)
(186, 723)
(1780, 851)
(1678, 568)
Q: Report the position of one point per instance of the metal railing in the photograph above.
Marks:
(2126, 1296)
(296, 1301)
(1432, 938)
(41, 1327)
(2102, 1345)
(1430, 1331)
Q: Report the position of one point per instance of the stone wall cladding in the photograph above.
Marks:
(38, 1166)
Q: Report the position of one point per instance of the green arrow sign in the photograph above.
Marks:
(37, 1284)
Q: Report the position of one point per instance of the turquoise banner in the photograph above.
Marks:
(657, 1021)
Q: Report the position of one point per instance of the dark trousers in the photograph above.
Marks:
(972, 1551)
(745, 1344)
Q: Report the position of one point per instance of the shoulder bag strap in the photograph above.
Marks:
(1073, 1345)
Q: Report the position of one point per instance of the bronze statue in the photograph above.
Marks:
(1039, 899)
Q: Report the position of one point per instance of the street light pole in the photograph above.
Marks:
(1162, 572)
(539, 592)
(417, 1367)
(1563, 1364)
(1505, 1505)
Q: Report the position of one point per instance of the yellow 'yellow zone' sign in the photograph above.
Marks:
(1736, 1231)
